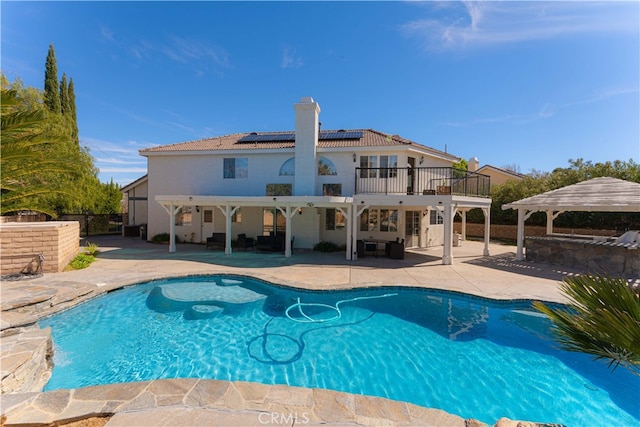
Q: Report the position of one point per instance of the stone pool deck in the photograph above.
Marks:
(125, 261)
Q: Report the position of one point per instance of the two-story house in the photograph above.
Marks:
(310, 185)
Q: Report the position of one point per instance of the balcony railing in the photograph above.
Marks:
(421, 181)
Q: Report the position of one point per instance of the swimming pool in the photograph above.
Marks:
(468, 356)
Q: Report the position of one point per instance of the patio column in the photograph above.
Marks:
(228, 213)
(487, 229)
(447, 250)
(172, 210)
(347, 214)
(550, 217)
(463, 227)
(287, 241)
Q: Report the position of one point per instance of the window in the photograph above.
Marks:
(273, 222)
(435, 217)
(184, 216)
(326, 167)
(369, 220)
(235, 168)
(335, 219)
(208, 215)
(379, 220)
(288, 168)
(236, 216)
(389, 165)
(389, 220)
(332, 189)
(279, 190)
(368, 165)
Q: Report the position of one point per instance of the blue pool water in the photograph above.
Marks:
(465, 355)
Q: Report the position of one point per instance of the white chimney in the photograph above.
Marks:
(473, 164)
(307, 128)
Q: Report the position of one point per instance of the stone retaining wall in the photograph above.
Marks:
(620, 259)
(27, 361)
(58, 241)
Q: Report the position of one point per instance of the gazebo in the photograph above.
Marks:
(595, 195)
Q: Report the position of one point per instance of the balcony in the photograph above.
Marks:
(421, 181)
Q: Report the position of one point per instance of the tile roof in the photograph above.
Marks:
(370, 138)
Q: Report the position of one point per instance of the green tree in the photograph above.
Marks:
(51, 88)
(72, 112)
(65, 107)
(29, 158)
(602, 319)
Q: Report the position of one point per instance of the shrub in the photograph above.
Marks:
(81, 261)
(91, 249)
(602, 319)
(160, 238)
(326, 247)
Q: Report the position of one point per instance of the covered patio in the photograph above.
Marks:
(351, 207)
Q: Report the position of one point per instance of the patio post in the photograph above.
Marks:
(487, 230)
(447, 250)
(520, 236)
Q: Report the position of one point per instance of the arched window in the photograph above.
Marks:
(288, 168)
(326, 167)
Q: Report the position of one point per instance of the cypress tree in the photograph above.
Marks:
(51, 92)
(64, 95)
(72, 111)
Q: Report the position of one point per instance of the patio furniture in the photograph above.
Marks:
(396, 250)
(245, 242)
(272, 243)
(216, 241)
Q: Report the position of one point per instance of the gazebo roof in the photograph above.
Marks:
(595, 195)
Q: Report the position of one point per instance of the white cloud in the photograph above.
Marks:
(472, 24)
(546, 111)
(290, 59)
(107, 33)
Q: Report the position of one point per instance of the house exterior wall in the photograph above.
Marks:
(202, 174)
(136, 208)
(497, 177)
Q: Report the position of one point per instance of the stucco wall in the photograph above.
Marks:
(202, 174)
(58, 241)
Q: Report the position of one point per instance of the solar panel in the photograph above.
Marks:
(283, 137)
(271, 137)
(341, 135)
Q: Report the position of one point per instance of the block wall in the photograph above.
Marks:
(510, 232)
(58, 241)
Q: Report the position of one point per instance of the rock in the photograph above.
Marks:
(470, 422)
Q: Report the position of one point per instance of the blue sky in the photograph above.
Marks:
(530, 84)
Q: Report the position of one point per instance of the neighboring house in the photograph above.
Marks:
(310, 184)
(134, 204)
(498, 175)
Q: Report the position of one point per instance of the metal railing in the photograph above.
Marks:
(421, 181)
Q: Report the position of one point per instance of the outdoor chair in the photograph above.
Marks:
(216, 241)
(245, 242)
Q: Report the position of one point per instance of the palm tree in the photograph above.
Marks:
(31, 160)
(602, 319)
